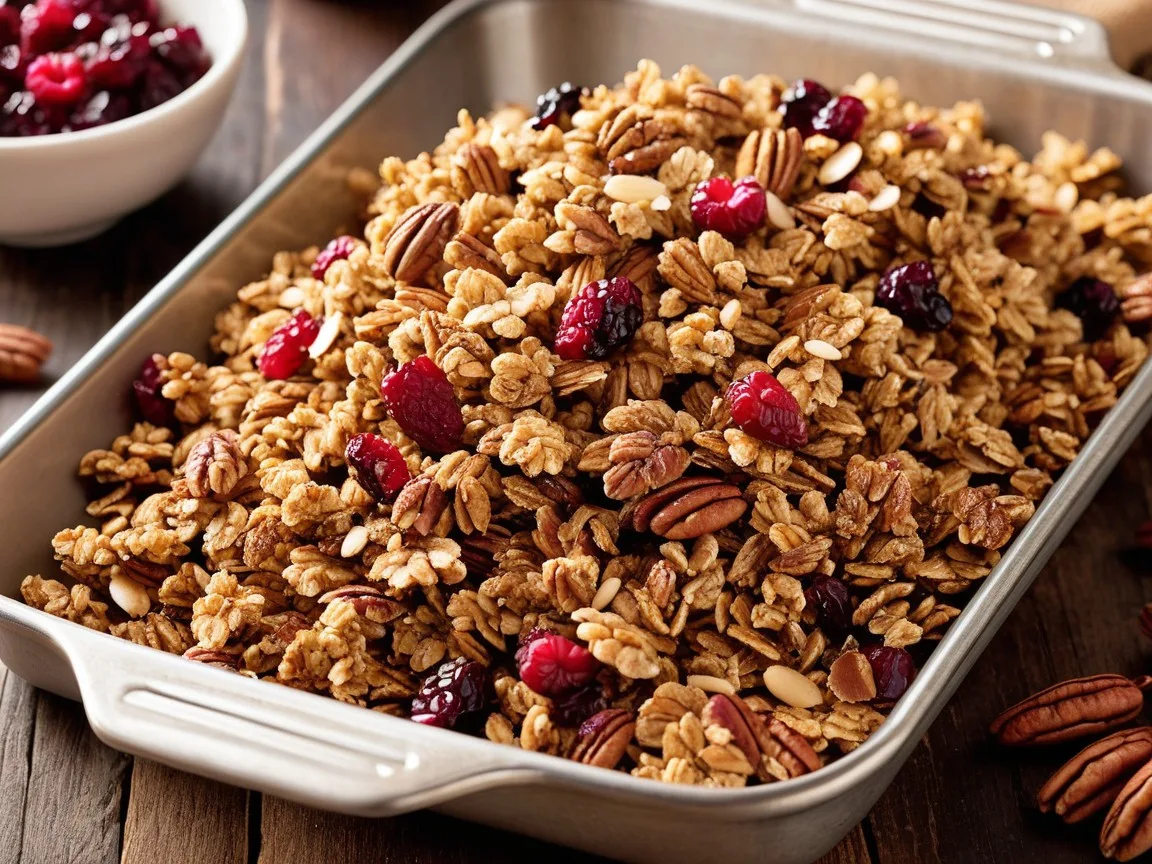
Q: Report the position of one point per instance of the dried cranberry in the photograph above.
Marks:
(286, 349)
(377, 465)
(100, 110)
(456, 688)
(120, 63)
(763, 407)
(13, 65)
(420, 398)
(924, 136)
(47, 26)
(829, 598)
(576, 707)
(556, 105)
(56, 79)
(182, 52)
(842, 119)
(9, 25)
(599, 318)
(892, 668)
(553, 665)
(732, 209)
(1094, 302)
(912, 292)
(153, 407)
(338, 250)
(801, 103)
(21, 116)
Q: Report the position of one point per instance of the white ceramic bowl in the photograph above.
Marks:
(63, 188)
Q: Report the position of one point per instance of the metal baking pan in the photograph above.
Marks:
(1034, 69)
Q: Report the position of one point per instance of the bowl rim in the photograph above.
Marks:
(217, 73)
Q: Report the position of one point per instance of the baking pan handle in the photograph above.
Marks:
(991, 24)
(272, 738)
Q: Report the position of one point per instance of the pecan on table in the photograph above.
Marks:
(1091, 780)
(22, 353)
(1127, 830)
(603, 738)
(1071, 709)
(688, 508)
(418, 240)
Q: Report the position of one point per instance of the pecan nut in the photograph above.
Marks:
(594, 235)
(603, 738)
(209, 657)
(22, 353)
(1127, 830)
(466, 252)
(641, 462)
(368, 601)
(687, 508)
(419, 505)
(1137, 302)
(774, 158)
(418, 240)
(476, 168)
(712, 101)
(742, 722)
(635, 142)
(1091, 780)
(683, 268)
(215, 465)
(1071, 709)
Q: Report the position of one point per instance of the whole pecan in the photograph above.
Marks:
(603, 738)
(594, 234)
(476, 168)
(1127, 830)
(688, 508)
(419, 505)
(22, 353)
(635, 142)
(759, 736)
(641, 462)
(215, 465)
(1071, 709)
(367, 601)
(1091, 780)
(417, 241)
(774, 158)
(683, 268)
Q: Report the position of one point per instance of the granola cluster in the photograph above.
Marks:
(751, 610)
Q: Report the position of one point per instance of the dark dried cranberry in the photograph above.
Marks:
(153, 407)
(456, 688)
(47, 26)
(912, 292)
(556, 105)
(763, 407)
(13, 65)
(578, 706)
(378, 465)
(801, 103)
(842, 119)
(182, 51)
(134, 10)
(420, 398)
(338, 250)
(924, 136)
(21, 116)
(552, 665)
(1094, 302)
(57, 79)
(100, 110)
(287, 348)
(732, 209)
(599, 318)
(829, 598)
(9, 25)
(892, 668)
(976, 178)
(119, 64)
(158, 85)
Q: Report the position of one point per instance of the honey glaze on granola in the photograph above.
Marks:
(699, 594)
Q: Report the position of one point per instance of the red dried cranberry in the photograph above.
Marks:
(286, 349)
(801, 103)
(9, 25)
(553, 665)
(842, 119)
(892, 668)
(829, 598)
(912, 292)
(100, 110)
(377, 465)
(763, 407)
(134, 10)
(338, 250)
(13, 65)
(556, 105)
(153, 407)
(21, 116)
(182, 52)
(1094, 302)
(420, 398)
(576, 707)
(120, 63)
(57, 79)
(732, 209)
(456, 688)
(599, 318)
(47, 26)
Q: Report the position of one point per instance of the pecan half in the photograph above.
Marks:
(1137, 303)
(712, 101)
(207, 656)
(22, 353)
(367, 601)
(594, 235)
(641, 462)
(603, 738)
(419, 505)
(635, 142)
(1091, 780)
(774, 158)
(683, 268)
(215, 465)
(1127, 830)
(1071, 709)
(687, 508)
(467, 252)
(418, 240)
(742, 722)
(476, 168)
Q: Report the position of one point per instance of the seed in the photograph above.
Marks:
(711, 684)
(778, 213)
(329, 330)
(130, 596)
(885, 199)
(841, 163)
(354, 541)
(791, 687)
(606, 593)
(634, 188)
(823, 350)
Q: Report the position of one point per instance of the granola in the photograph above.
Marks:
(725, 598)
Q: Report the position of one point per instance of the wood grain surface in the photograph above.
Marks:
(65, 797)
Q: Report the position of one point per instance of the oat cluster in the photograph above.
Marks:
(614, 501)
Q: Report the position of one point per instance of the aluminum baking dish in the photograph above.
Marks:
(1035, 70)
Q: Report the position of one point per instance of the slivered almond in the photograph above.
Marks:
(606, 593)
(841, 164)
(885, 199)
(779, 214)
(634, 188)
(711, 684)
(324, 340)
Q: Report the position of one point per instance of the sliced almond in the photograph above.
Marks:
(634, 188)
(885, 199)
(779, 214)
(130, 596)
(711, 684)
(841, 164)
(850, 678)
(792, 688)
(606, 593)
(823, 350)
(661, 203)
(354, 541)
(329, 330)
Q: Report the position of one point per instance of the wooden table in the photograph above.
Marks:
(65, 797)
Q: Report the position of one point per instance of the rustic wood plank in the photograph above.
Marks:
(17, 716)
(173, 816)
(853, 849)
